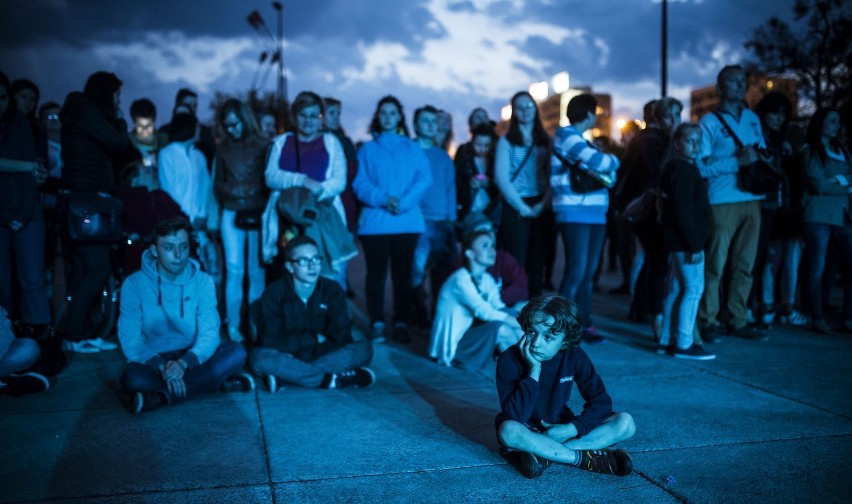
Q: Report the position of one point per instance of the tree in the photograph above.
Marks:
(816, 49)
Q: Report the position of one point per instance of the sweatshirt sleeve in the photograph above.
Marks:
(207, 339)
(276, 178)
(517, 391)
(362, 186)
(130, 326)
(708, 164)
(465, 294)
(597, 404)
(335, 181)
(815, 178)
(338, 326)
(422, 179)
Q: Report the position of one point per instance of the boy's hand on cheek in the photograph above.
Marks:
(532, 360)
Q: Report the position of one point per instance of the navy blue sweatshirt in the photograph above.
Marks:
(528, 401)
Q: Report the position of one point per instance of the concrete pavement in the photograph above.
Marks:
(764, 422)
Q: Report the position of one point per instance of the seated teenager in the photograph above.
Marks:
(145, 205)
(304, 329)
(169, 327)
(471, 320)
(16, 356)
(534, 381)
(510, 275)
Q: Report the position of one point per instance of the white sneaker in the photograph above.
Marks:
(82, 346)
(104, 344)
(795, 318)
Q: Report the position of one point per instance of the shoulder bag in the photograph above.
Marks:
(759, 177)
(92, 217)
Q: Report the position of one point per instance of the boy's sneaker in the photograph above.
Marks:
(146, 401)
(242, 382)
(592, 337)
(358, 377)
(17, 385)
(695, 352)
(606, 461)
(531, 465)
(377, 333)
(272, 384)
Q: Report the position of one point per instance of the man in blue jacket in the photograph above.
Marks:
(534, 380)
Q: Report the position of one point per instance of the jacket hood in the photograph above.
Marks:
(188, 276)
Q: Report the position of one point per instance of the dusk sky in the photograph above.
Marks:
(453, 54)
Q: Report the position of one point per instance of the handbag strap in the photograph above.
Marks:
(521, 166)
(727, 126)
(298, 157)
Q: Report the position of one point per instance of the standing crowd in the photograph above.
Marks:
(234, 244)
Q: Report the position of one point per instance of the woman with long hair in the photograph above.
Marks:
(238, 185)
(93, 134)
(393, 175)
(522, 173)
(475, 187)
(21, 219)
(780, 245)
(827, 213)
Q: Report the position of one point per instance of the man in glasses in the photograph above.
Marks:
(304, 328)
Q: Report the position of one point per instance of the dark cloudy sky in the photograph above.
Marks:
(450, 53)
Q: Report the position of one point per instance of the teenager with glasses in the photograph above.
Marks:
(304, 328)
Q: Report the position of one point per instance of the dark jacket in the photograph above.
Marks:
(465, 171)
(90, 141)
(686, 208)
(641, 167)
(527, 401)
(238, 180)
(288, 325)
(18, 191)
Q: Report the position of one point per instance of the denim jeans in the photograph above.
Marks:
(27, 248)
(242, 254)
(436, 247)
(782, 269)
(22, 353)
(684, 287)
(583, 244)
(816, 240)
(267, 361)
(228, 359)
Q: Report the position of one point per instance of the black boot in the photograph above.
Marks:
(53, 358)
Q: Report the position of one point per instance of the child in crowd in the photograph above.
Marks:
(685, 228)
(471, 319)
(534, 382)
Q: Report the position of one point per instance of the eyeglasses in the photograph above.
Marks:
(309, 117)
(52, 117)
(530, 106)
(305, 261)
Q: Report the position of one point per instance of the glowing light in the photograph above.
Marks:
(621, 123)
(538, 90)
(506, 112)
(559, 83)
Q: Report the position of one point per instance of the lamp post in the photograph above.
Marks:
(664, 43)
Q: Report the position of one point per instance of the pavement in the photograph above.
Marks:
(764, 422)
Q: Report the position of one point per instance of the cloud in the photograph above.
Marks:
(174, 58)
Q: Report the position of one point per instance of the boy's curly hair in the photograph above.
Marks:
(566, 317)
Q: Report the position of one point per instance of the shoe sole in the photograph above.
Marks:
(695, 357)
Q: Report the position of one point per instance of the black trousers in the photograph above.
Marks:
(399, 249)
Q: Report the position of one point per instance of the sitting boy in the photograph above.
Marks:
(534, 380)
(169, 327)
(304, 329)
